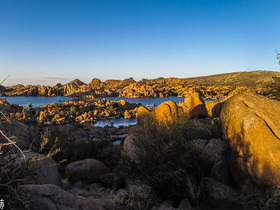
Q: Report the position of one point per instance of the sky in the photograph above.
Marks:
(43, 42)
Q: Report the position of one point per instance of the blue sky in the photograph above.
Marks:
(49, 41)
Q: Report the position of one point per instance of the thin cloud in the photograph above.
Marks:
(57, 78)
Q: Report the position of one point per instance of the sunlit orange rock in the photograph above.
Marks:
(195, 106)
(214, 108)
(141, 113)
(251, 127)
(166, 111)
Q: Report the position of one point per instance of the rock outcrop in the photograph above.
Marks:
(196, 106)
(41, 170)
(214, 108)
(166, 111)
(2, 90)
(129, 148)
(251, 127)
(142, 112)
(52, 197)
(212, 87)
(88, 170)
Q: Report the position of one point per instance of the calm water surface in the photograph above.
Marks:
(36, 101)
(143, 101)
(147, 101)
(116, 122)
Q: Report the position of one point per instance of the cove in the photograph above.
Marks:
(147, 101)
(144, 101)
(36, 101)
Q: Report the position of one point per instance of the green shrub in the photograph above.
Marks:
(73, 110)
(259, 196)
(167, 159)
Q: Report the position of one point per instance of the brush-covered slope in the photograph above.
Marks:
(214, 86)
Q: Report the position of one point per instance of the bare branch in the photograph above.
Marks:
(5, 117)
(5, 79)
(13, 144)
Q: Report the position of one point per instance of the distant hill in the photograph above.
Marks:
(243, 78)
(214, 86)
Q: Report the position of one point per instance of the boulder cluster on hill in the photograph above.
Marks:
(211, 87)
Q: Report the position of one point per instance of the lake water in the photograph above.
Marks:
(147, 101)
(116, 122)
(36, 101)
(143, 101)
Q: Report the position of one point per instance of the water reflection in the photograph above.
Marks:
(116, 122)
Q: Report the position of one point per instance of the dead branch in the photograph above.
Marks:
(5, 117)
(5, 79)
(13, 144)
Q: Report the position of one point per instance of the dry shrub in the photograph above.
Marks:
(167, 159)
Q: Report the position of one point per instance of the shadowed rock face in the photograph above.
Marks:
(88, 170)
(2, 90)
(42, 171)
(49, 197)
(214, 108)
(251, 126)
(196, 106)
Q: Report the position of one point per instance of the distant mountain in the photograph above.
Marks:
(247, 79)
(214, 86)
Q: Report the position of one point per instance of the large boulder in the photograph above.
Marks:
(214, 150)
(23, 134)
(87, 170)
(129, 148)
(166, 111)
(52, 197)
(142, 113)
(41, 170)
(214, 108)
(196, 106)
(220, 196)
(251, 126)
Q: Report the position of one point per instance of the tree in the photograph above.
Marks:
(30, 105)
(278, 56)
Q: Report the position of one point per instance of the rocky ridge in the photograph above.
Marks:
(215, 86)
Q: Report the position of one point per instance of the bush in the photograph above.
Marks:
(12, 168)
(274, 88)
(259, 196)
(167, 159)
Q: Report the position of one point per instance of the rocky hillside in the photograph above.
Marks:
(247, 79)
(214, 86)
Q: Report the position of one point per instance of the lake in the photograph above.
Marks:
(147, 101)
(36, 101)
(116, 122)
(143, 101)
